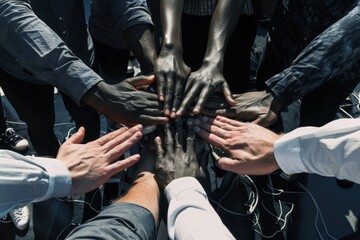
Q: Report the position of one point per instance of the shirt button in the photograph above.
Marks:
(63, 32)
(60, 18)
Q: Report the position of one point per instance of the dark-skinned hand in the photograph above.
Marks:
(259, 107)
(171, 73)
(124, 103)
(175, 155)
(200, 86)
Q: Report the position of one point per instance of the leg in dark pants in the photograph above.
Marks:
(34, 104)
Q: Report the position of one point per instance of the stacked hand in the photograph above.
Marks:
(256, 107)
(176, 155)
(250, 146)
(125, 103)
(200, 86)
(93, 163)
(171, 73)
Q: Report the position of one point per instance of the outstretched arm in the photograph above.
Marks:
(170, 70)
(209, 78)
(78, 168)
(331, 150)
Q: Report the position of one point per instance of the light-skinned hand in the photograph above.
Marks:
(250, 146)
(93, 163)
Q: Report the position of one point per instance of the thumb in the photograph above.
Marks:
(78, 137)
(228, 96)
(141, 80)
(228, 164)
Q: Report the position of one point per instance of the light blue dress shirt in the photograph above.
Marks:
(26, 179)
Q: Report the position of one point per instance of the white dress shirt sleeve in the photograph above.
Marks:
(190, 215)
(332, 150)
(25, 179)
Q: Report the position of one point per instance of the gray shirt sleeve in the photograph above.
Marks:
(31, 51)
(25, 179)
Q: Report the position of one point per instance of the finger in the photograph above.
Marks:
(265, 121)
(204, 95)
(121, 165)
(168, 139)
(189, 96)
(160, 81)
(159, 150)
(169, 94)
(76, 138)
(190, 139)
(219, 130)
(152, 98)
(229, 164)
(151, 120)
(221, 121)
(179, 136)
(141, 80)
(186, 103)
(210, 137)
(124, 143)
(228, 95)
(153, 112)
(227, 112)
(178, 94)
(110, 136)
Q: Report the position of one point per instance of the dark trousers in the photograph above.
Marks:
(34, 104)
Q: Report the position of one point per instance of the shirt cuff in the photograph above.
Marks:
(287, 151)
(179, 185)
(59, 177)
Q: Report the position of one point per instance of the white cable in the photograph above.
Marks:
(284, 220)
(318, 213)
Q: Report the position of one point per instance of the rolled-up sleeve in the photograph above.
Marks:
(25, 179)
(40, 54)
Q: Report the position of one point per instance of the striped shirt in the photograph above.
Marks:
(206, 7)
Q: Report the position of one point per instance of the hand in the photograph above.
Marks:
(250, 146)
(124, 103)
(200, 86)
(171, 73)
(176, 157)
(93, 163)
(260, 107)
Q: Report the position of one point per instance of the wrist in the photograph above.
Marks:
(171, 47)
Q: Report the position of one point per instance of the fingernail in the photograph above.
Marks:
(197, 129)
(138, 135)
